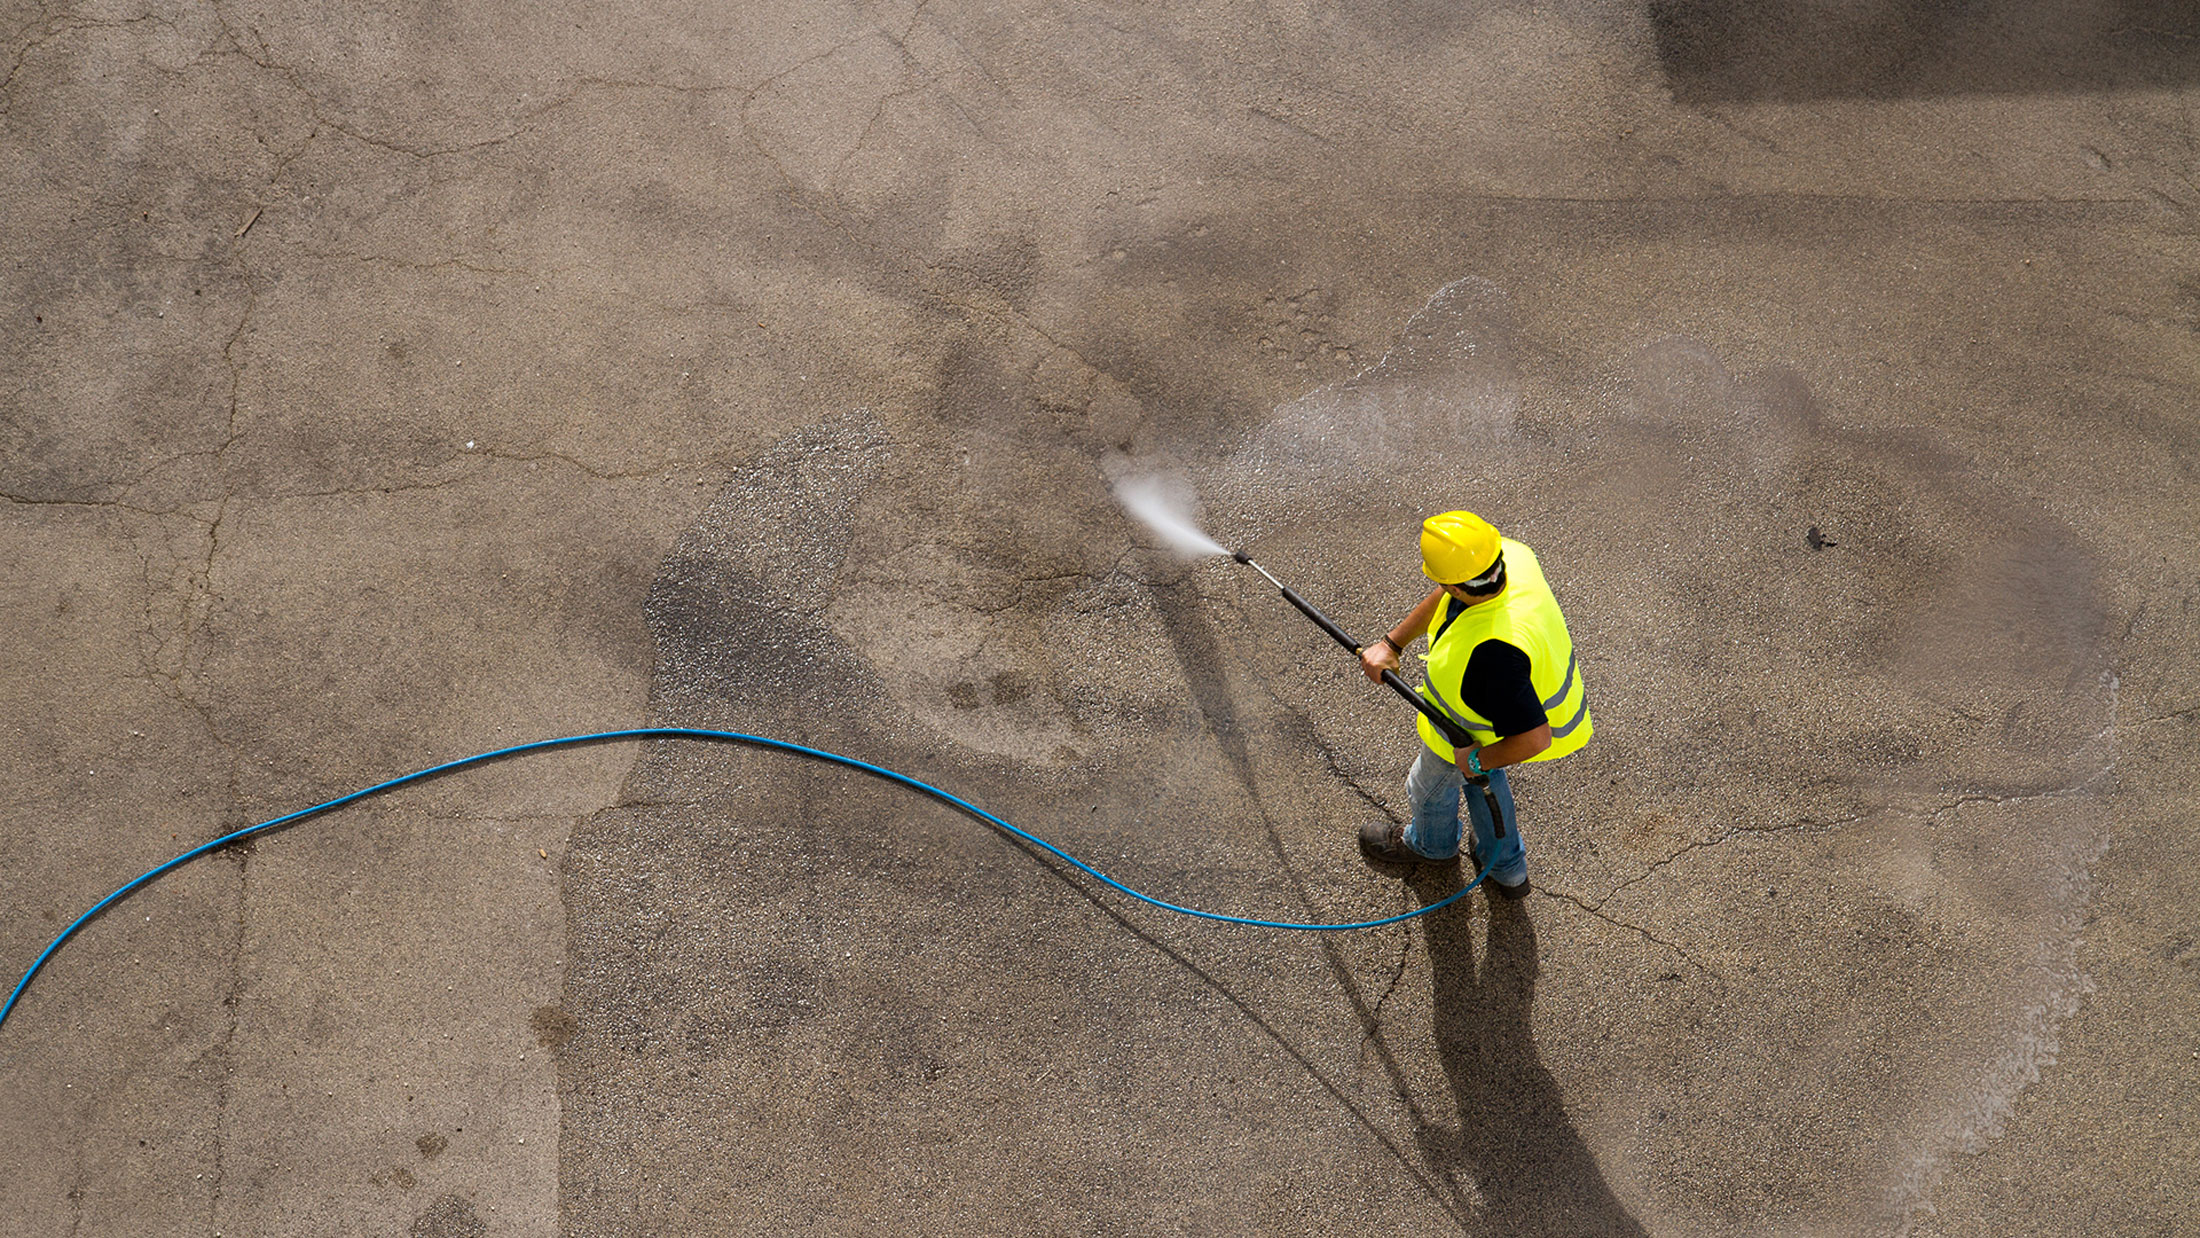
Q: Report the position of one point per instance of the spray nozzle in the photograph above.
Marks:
(1242, 557)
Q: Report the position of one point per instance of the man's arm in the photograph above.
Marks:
(1513, 749)
(1378, 657)
(1499, 684)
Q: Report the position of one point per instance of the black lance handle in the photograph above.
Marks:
(1445, 726)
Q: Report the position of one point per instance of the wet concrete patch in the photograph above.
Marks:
(1792, 917)
(763, 931)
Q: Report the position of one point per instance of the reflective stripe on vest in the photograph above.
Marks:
(1526, 617)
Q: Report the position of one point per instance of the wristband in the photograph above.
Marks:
(1474, 760)
(1395, 647)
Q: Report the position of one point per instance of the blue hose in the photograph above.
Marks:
(681, 732)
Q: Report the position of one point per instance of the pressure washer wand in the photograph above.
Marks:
(1449, 729)
(1446, 726)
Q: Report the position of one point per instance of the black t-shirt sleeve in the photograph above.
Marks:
(1497, 687)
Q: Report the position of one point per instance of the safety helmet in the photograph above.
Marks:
(1457, 547)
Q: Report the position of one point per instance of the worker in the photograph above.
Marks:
(1501, 666)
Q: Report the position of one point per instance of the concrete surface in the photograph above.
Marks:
(384, 386)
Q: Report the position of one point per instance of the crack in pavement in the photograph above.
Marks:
(1200, 654)
(223, 1050)
(395, 487)
(230, 359)
(178, 670)
(909, 264)
(871, 124)
(409, 265)
(1370, 1016)
(910, 65)
(350, 491)
(1285, 122)
(1641, 932)
(1931, 813)
(1962, 801)
(1336, 767)
(203, 597)
(324, 112)
(575, 462)
(1397, 977)
(795, 193)
(2172, 716)
(1321, 744)
(58, 29)
(1981, 1115)
(1730, 833)
(173, 671)
(1013, 318)
(1718, 116)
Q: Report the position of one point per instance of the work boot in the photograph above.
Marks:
(1386, 841)
(1513, 893)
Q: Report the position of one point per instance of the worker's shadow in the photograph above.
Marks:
(1535, 1175)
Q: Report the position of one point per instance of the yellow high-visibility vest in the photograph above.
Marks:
(1526, 617)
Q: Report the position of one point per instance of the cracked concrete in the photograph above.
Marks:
(1728, 835)
(385, 386)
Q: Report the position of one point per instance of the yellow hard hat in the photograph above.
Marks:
(1457, 547)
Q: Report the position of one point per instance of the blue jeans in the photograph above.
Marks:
(1434, 787)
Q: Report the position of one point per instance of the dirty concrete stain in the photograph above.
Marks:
(553, 1026)
(450, 1216)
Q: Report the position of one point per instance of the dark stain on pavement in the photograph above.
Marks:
(451, 1216)
(553, 1026)
(1007, 688)
(2183, 949)
(1722, 51)
(1006, 269)
(781, 994)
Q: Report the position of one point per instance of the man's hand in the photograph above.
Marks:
(1377, 658)
(1382, 655)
